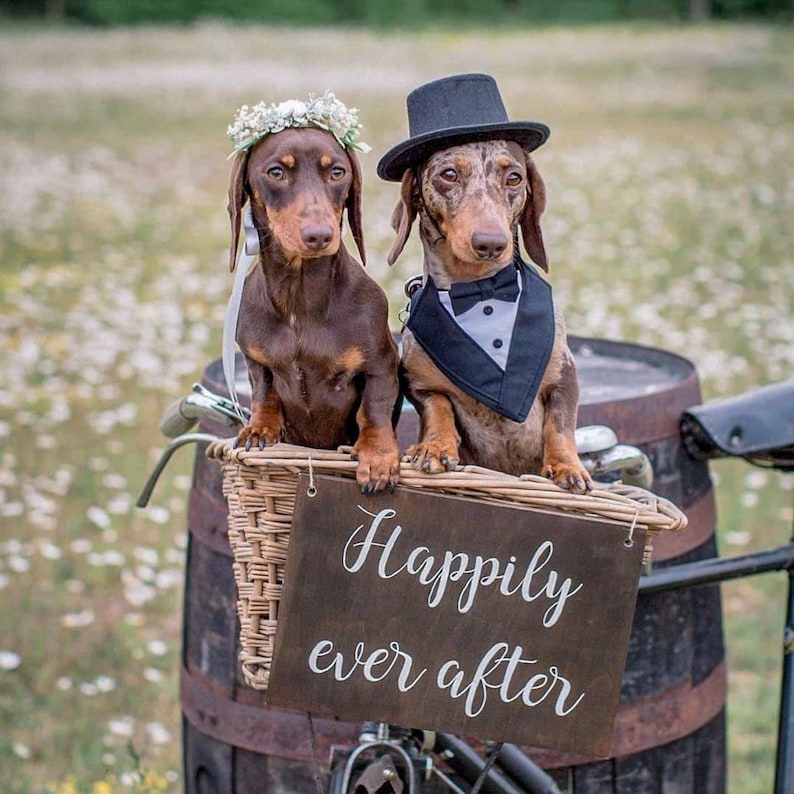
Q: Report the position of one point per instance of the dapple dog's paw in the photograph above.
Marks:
(434, 457)
(570, 476)
(259, 435)
(377, 469)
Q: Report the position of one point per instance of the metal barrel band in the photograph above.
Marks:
(283, 734)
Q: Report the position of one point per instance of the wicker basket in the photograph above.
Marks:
(261, 486)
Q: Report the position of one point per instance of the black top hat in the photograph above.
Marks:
(457, 109)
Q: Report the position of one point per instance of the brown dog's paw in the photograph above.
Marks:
(570, 476)
(259, 435)
(378, 458)
(377, 469)
(434, 457)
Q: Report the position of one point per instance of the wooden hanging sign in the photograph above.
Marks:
(456, 614)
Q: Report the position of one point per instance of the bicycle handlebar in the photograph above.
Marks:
(178, 418)
(182, 414)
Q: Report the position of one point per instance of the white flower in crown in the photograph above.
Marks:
(326, 112)
(294, 109)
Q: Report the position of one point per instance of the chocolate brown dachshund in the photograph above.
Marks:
(471, 200)
(313, 326)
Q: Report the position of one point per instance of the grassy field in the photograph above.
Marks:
(671, 180)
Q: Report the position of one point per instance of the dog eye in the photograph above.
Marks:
(337, 172)
(276, 172)
(514, 179)
(449, 175)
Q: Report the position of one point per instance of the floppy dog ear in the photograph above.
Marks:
(237, 199)
(403, 216)
(353, 206)
(530, 216)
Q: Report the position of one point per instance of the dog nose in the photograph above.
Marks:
(489, 245)
(317, 236)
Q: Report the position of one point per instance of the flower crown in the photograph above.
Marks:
(251, 124)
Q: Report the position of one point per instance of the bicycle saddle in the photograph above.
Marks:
(757, 426)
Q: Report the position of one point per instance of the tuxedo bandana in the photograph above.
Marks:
(492, 338)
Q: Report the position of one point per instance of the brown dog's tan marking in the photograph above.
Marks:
(350, 360)
(469, 201)
(313, 326)
(258, 354)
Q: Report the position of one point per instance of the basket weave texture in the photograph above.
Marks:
(261, 487)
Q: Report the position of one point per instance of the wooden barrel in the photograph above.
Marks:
(670, 731)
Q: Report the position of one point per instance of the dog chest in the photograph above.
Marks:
(491, 440)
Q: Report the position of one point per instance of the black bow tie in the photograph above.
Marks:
(503, 287)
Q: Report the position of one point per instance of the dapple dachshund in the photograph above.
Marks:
(471, 199)
(313, 326)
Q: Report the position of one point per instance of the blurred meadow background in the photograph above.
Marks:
(670, 173)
